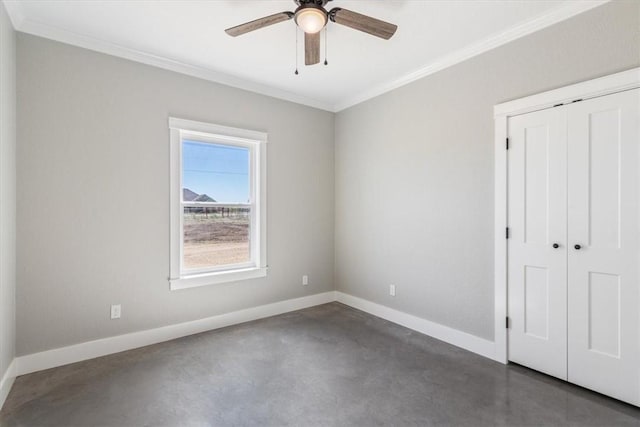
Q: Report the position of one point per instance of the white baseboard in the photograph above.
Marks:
(102, 347)
(7, 381)
(88, 350)
(449, 335)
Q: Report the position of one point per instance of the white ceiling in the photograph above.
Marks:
(188, 36)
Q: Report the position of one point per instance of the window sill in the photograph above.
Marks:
(206, 279)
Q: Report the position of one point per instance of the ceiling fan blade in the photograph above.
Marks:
(258, 23)
(311, 48)
(363, 23)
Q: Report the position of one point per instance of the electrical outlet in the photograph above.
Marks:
(116, 311)
(392, 290)
(305, 280)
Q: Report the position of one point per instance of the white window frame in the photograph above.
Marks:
(180, 129)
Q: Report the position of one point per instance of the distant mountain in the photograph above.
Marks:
(188, 195)
(203, 198)
(192, 196)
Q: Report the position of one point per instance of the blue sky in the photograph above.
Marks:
(220, 171)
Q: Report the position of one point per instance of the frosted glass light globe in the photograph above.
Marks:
(311, 20)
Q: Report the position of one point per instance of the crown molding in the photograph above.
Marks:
(14, 11)
(97, 45)
(560, 14)
(557, 15)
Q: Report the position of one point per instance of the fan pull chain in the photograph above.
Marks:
(296, 27)
(326, 46)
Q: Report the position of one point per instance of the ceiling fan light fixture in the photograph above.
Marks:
(311, 16)
(311, 19)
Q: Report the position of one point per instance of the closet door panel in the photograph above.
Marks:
(537, 220)
(604, 221)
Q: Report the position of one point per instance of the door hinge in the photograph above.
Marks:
(507, 323)
(558, 105)
(576, 100)
(507, 232)
(507, 143)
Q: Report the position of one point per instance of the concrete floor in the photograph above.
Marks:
(328, 365)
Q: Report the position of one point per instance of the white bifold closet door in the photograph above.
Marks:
(604, 222)
(574, 249)
(537, 220)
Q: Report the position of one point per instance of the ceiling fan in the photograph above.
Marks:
(312, 17)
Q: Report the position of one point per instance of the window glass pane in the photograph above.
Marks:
(216, 236)
(214, 172)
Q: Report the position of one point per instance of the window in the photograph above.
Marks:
(218, 205)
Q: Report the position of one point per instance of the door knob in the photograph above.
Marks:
(556, 246)
(577, 247)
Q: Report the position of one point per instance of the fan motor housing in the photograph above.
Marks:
(319, 3)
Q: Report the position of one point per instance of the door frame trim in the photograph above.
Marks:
(625, 80)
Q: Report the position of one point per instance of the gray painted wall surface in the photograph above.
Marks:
(414, 168)
(93, 195)
(7, 190)
(413, 184)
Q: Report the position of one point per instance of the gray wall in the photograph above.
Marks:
(413, 184)
(7, 190)
(414, 168)
(93, 195)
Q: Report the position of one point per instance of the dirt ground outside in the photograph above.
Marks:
(213, 240)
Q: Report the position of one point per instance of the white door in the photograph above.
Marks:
(604, 223)
(537, 271)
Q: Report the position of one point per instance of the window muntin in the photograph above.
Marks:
(218, 204)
